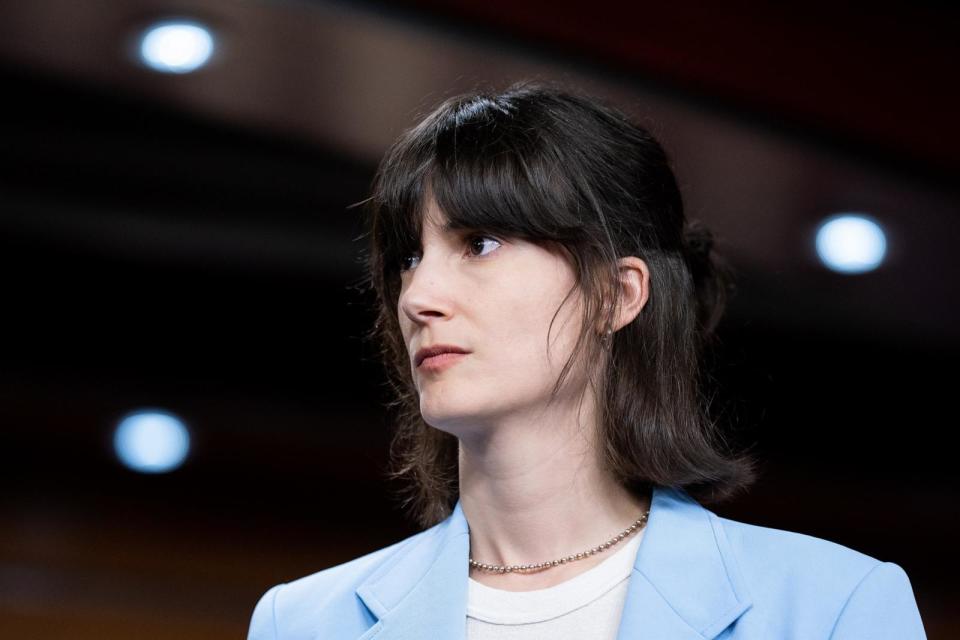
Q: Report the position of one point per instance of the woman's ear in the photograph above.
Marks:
(634, 290)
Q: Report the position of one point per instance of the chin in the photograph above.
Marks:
(456, 423)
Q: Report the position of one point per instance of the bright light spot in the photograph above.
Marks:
(851, 243)
(151, 441)
(176, 47)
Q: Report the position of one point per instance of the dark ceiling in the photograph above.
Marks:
(871, 76)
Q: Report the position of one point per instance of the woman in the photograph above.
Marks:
(543, 310)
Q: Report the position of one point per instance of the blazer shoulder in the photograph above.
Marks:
(295, 609)
(788, 572)
(790, 555)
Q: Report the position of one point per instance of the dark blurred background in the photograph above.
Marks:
(184, 242)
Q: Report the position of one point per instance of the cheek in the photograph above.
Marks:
(523, 323)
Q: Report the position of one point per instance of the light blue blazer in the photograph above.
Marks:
(697, 576)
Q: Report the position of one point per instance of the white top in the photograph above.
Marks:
(585, 607)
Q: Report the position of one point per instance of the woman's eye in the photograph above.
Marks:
(472, 241)
(404, 265)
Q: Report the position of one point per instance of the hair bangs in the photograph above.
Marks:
(485, 197)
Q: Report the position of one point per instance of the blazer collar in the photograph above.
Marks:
(686, 583)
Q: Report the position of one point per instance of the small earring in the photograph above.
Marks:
(606, 337)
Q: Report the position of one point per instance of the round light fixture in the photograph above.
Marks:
(851, 243)
(176, 46)
(151, 441)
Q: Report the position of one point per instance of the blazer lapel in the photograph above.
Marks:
(685, 584)
(423, 593)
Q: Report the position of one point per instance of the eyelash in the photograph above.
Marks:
(468, 241)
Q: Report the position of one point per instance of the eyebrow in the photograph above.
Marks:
(453, 226)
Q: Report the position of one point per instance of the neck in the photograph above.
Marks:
(535, 491)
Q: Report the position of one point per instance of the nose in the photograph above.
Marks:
(425, 293)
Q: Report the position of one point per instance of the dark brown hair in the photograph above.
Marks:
(553, 166)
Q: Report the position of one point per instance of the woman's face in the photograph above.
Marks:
(494, 298)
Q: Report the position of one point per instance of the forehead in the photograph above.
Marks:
(433, 219)
(431, 215)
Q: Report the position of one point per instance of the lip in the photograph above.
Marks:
(435, 350)
(440, 362)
